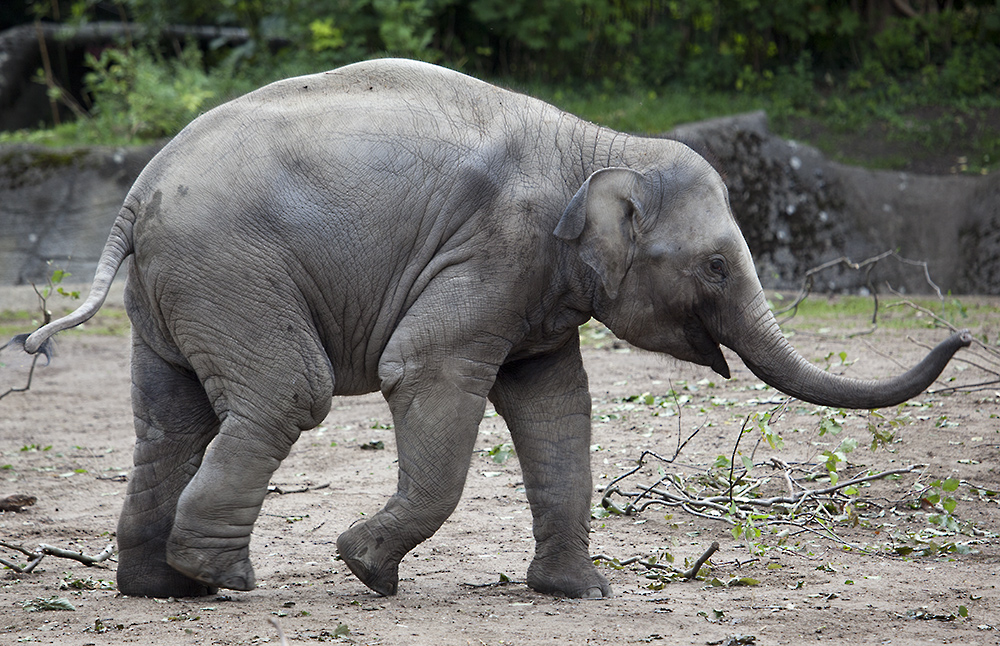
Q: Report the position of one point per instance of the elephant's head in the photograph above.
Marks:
(676, 276)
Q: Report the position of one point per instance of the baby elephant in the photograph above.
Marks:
(396, 226)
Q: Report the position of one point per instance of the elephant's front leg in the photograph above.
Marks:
(437, 400)
(546, 404)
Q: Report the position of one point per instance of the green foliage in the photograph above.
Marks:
(40, 604)
(70, 582)
(883, 428)
(501, 452)
(139, 95)
(833, 459)
(403, 26)
(636, 65)
(58, 276)
(943, 503)
(722, 44)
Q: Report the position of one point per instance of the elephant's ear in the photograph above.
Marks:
(601, 220)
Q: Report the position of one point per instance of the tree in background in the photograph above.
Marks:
(948, 48)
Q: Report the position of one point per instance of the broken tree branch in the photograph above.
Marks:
(693, 572)
(36, 556)
(868, 265)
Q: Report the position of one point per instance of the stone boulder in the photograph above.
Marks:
(799, 210)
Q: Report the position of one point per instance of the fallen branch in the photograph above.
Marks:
(718, 502)
(813, 493)
(17, 502)
(693, 572)
(104, 555)
(800, 508)
(278, 490)
(650, 563)
(36, 556)
(808, 282)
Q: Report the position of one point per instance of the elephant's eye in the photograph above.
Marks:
(718, 267)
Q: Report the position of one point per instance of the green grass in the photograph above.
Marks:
(646, 111)
(109, 321)
(820, 311)
(854, 128)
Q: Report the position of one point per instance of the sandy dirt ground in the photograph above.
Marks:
(67, 442)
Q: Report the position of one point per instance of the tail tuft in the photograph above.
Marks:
(45, 349)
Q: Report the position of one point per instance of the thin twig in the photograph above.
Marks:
(788, 500)
(281, 633)
(278, 490)
(27, 386)
(641, 462)
(677, 404)
(649, 563)
(104, 555)
(17, 548)
(18, 341)
(732, 461)
(868, 265)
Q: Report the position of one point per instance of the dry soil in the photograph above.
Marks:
(67, 442)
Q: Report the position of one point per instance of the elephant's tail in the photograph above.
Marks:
(118, 247)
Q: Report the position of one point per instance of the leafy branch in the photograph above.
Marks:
(46, 348)
(651, 563)
(990, 364)
(726, 506)
(867, 265)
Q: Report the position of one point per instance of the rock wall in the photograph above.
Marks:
(58, 206)
(797, 211)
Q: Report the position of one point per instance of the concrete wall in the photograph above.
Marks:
(797, 210)
(58, 206)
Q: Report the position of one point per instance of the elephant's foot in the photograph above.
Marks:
(370, 559)
(218, 567)
(563, 576)
(140, 575)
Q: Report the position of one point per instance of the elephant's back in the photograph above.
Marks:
(396, 101)
(391, 83)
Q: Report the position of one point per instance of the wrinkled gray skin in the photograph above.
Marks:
(399, 227)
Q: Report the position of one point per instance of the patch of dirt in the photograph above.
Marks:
(67, 441)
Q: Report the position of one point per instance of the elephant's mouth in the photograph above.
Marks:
(707, 349)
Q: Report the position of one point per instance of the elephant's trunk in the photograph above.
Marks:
(766, 352)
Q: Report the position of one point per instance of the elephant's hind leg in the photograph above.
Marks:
(174, 422)
(282, 386)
